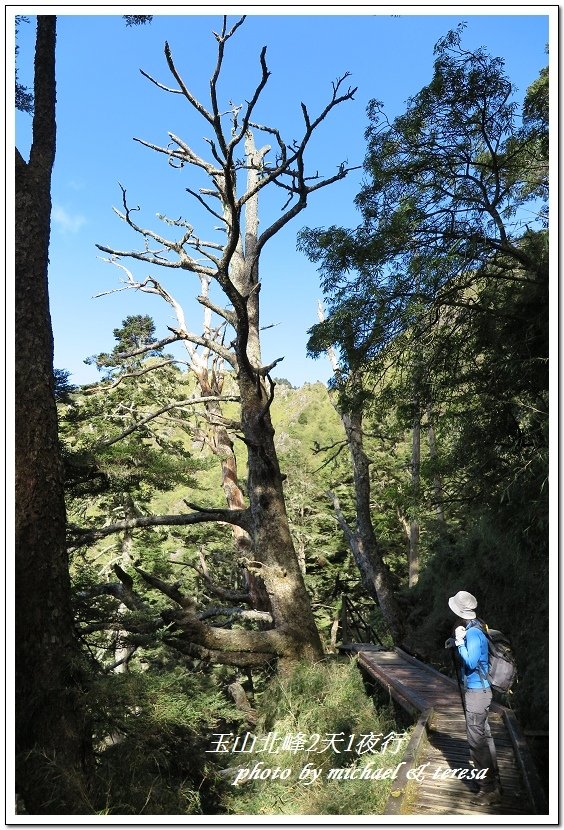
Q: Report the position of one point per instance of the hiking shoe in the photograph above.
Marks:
(488, 797)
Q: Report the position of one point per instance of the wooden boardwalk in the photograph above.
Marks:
(439, 741)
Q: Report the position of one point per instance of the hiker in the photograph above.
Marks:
(472, 646)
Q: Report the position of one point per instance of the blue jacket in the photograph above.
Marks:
(472, 652)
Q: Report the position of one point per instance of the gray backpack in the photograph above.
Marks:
(502, 671)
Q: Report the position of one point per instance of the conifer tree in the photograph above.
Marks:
(425, 297)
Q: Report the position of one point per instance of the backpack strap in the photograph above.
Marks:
(477, 623)
(483, 677)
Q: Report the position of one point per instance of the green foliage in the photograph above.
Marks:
(439, 299)
(438, 306)
(152, 731)
(137, 19)
(313, 456)
(536, 117)
(169, 696)
(24, 96)
(323, 699)
(123, 442)
(63, 387)
(507, 569)
(444, 182)
(137, 332)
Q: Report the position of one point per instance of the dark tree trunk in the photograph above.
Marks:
(362, 540)
(51, 743)
(437, 483)
(415, 487)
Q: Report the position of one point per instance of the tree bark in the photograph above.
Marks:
(52, 738)
(274, 552)
(366, 548)
(413, 576)
(437, 483)
(362, 541)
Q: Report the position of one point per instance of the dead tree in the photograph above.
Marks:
(208, 368)
(233, 264)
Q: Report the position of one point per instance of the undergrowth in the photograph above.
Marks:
(327, 700)
(152, 732)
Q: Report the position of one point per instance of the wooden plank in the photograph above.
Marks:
(463, 793)
(441, 740)
(409, 702)
(464, 808)
(414, 750)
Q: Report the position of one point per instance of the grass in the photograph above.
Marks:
(328, 700)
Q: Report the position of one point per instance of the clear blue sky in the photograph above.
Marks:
(103, 102)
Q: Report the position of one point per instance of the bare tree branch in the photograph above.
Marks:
(129, 375)
(159, 84)
(122, 590)
(156, 257)
(80, 537)
(184, 89)
(152, 415)
(241, 659)
(222, 40)
(345, 527)
(202, 201)
(171, 591)
(252, 103)
(235, 613)
(227, 315)
(224, 353)
(197, 161)
(217, 590)
(230, 640)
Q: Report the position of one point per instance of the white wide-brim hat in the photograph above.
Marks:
(463, 604)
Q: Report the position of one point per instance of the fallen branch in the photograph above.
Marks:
(239, 659)
(232, 613)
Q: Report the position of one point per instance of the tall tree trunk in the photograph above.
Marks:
(276, 562)
(274, 553)
(51, 732)
(437, 483)
(366, 548)
(362, 541)
(234, 265)
(415, 489)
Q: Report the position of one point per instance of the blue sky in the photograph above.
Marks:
(104, 101)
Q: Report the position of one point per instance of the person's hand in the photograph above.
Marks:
(459, 635)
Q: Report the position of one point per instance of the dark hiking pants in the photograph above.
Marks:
(479, 734)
